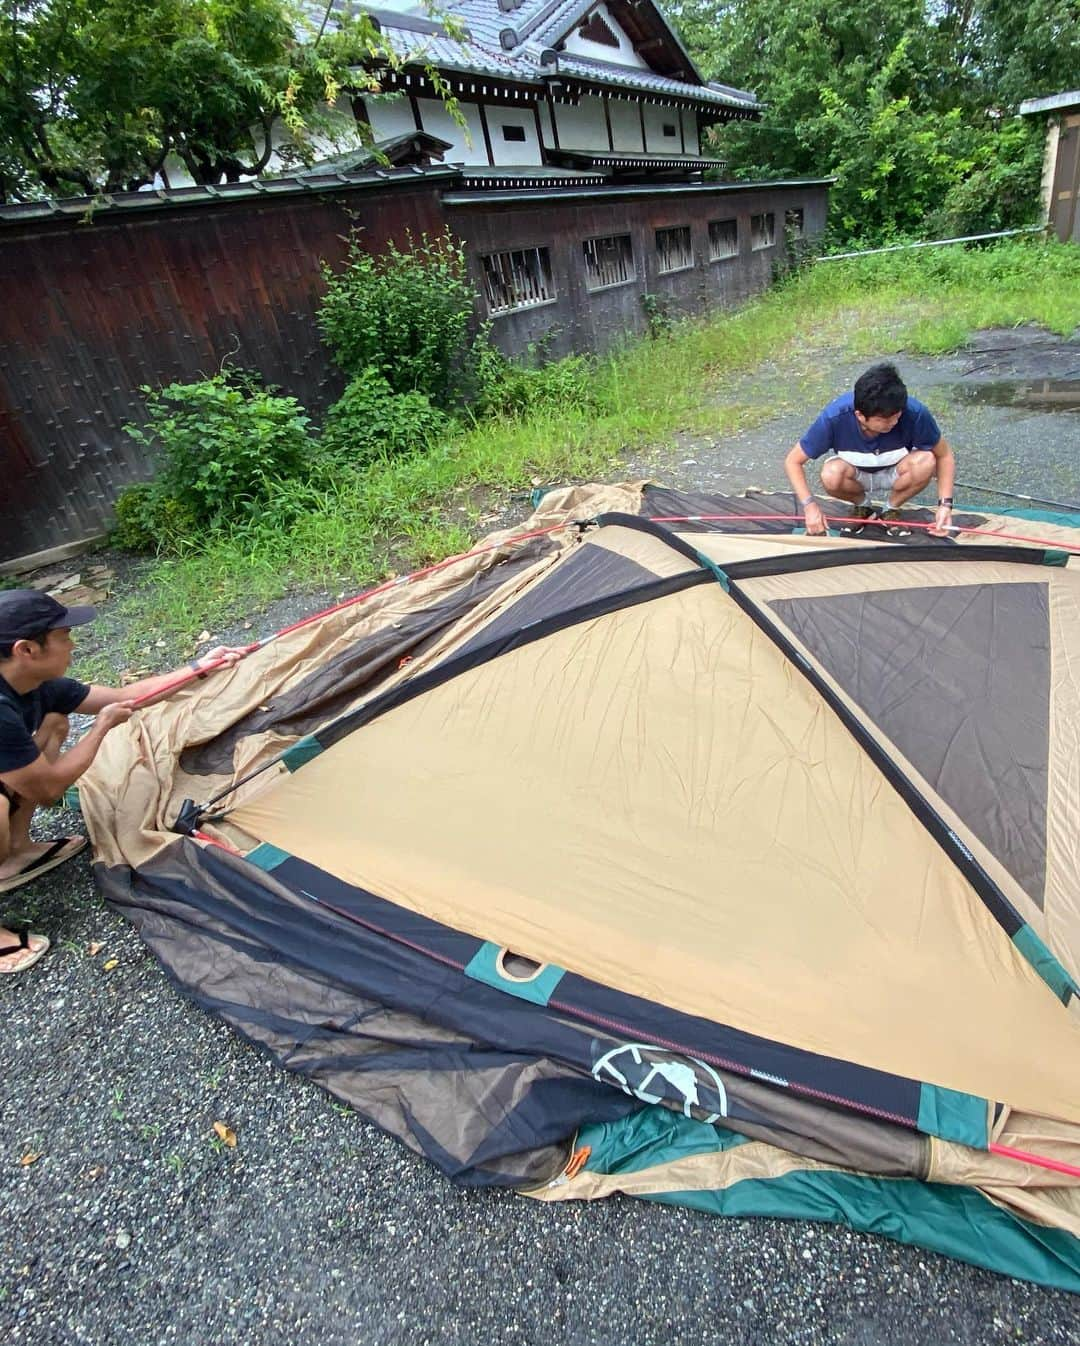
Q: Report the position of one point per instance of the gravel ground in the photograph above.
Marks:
(134, 1224)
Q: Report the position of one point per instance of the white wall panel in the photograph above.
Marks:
(582, 127)
(690, 131)
(626, 126)
(438, 122)
(513, 151)
(545, 126)
(656, 118)
(389, 117)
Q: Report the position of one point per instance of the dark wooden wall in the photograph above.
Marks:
(1064, 205)
(89, 312)
(582, 321)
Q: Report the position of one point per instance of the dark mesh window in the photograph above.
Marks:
(674, 250)
(518, 279)
(608, 261)
(723, 239)
(763, 230)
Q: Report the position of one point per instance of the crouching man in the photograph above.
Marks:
(885, 446)
(35, 701)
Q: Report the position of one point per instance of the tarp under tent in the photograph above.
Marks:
(655, 847)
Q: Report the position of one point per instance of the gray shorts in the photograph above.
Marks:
(876, 485)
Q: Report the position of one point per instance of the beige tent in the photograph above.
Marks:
(776, 835)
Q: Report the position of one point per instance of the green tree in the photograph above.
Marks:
(96, 94)
(904, 102)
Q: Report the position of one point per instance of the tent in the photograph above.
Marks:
(655, 847)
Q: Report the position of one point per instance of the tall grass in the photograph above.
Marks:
(405, 512)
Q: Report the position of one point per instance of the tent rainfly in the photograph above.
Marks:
(658, 849)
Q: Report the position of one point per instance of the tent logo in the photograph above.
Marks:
(662, 1077)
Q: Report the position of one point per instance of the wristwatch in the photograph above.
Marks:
(945, 500)
(808, 501)
(198, 668)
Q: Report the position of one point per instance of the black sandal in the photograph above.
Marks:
(24, 932)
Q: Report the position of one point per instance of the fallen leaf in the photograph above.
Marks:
(47, 581)
(82, 593)
(203, 636)
(112, 962)
(160, 644)
(94, 948)
(226, 1134)
(68, 582)
(30, 1157)
(92, 1174)
(247, 626)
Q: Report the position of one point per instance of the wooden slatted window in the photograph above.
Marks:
(723, 239)
(608, 261)
(674, 250)
(762, 230)
(518, 279)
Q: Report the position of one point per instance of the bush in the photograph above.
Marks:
(370, 420)
(405, 314)
(511, 389)
(149, 519)
(222, 444)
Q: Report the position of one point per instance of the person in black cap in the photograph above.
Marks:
(35, 701)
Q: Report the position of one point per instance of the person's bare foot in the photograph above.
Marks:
(25, 954)
(34, 858)
(18, 860)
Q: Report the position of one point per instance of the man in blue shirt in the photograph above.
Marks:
(885, 447)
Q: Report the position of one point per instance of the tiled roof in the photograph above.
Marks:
(624, 76)
(318, 179)
(419, 40)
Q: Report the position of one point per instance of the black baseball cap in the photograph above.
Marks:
(26, 612)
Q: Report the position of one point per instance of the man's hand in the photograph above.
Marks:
(814, 518)
(225, 655)
(117, 712)
(943, 524)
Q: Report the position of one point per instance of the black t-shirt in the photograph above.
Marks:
(21, 714)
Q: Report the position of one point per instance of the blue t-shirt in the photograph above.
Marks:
(837, 430)
(21, 714)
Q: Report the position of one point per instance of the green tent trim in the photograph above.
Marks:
(956, 1221)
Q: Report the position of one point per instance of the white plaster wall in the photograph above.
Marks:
(467, 142)
(545, 126)
(626, 126)
(600, 51)
(655, 140)
(690, 131)
(513, 151)
(1046, 189)
(582, 127)
(343, 135)
(389, 116)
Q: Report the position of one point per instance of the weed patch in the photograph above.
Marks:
(400, 513)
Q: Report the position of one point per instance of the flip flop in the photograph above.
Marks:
(59, 852)
(30, 955)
